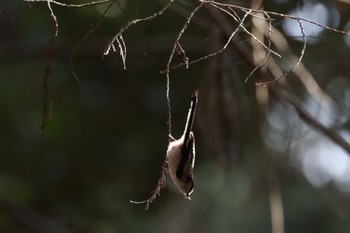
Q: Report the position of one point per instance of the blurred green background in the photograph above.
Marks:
(107, 134)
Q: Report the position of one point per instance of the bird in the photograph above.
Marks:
(180, 156)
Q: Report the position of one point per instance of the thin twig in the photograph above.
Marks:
(71, 5)
(208, 55)
(176, 43)
(118, 37)
(268, 50)
(245, 29)
(295, 103)
(252, 12)
(46, 113)
(277, 14)
(184, 56)
(263, 84)
(302, 73)
(53, 17)
(160, 185)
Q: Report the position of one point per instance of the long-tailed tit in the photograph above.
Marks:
(181, 154)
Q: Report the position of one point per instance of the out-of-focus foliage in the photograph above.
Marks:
(107, 135)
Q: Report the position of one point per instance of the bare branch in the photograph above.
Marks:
(310, 120)
(211, 54)
(249, 12)
(176, 43)
(279, 40)
(228, 9)
(53, 17)
(268, 49)
(295, 103)
(276, 14)
(294, 66)
(71, 5)
(118, 37)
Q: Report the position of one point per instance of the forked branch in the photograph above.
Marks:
(118, 37)
(229, 10)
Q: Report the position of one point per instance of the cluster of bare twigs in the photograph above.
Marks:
(240, 17)
(230, 10)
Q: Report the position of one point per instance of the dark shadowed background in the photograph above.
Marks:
(259, 166)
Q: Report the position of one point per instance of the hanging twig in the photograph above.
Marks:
(169, 69)
(175, 45)
(264, 84)
(118, 37)
(268, 49)
(47, 76)
(160, 185)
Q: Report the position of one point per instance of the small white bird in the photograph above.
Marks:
(181, 154)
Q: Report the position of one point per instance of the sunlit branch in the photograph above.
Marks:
(71, 5)
(175, 46)
(276, 14)
(294, 66)
(118, 37)
(268, 50)
(211, 54)
(332, 135)
(279, 40)
(248, 12)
